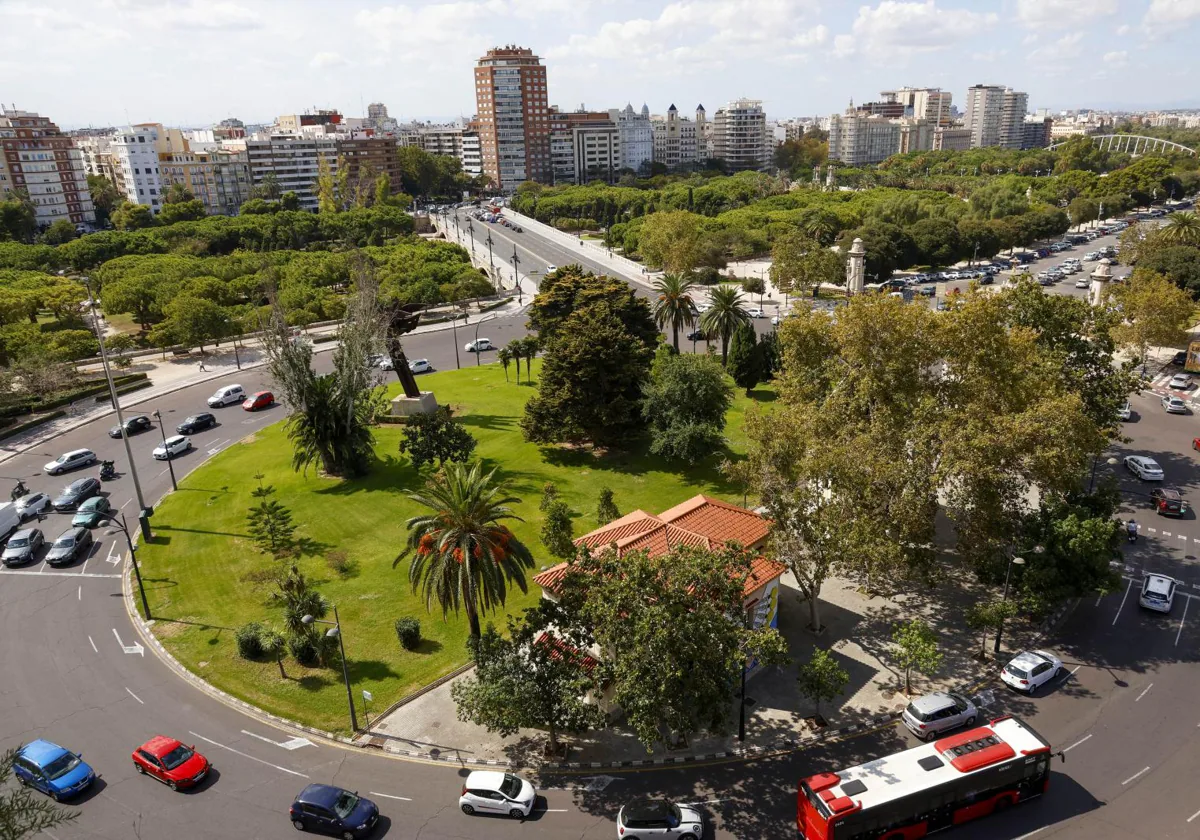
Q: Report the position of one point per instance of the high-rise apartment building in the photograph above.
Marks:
(740, 136)
(218, 178)
(135, 151)
(513, 115)
(675, 140)
(858, 139)
(320, 119)
(996, 116)
(294, 161)
(1013, 106)
(581, 145)
(931, 104)
(40, 160)
(951, 139)
(365, 159)
(637, 137)
(1037, 132)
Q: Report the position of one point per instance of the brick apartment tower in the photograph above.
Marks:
(38, 158)
(514, 120)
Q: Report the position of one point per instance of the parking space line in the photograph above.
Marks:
(1187, 603)
(135, 697)
(1077, 743)
(1068, 674)
(1193, 816)
(389, 796)
(1134, 776)
(247, 755)
(96, 649)
(1123, 599)
(17, 574)
(1166, 533)
(1144, 690)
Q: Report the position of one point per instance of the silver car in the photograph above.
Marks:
(938, 712)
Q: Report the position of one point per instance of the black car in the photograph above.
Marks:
(195, 423)
(331, 810)
(1179, 358)
(696, 335)
(23, 547)
(132, 426)
(1168, 501)
(76, 492)
(69, 547)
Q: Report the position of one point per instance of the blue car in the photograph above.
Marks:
(325, 809)
(52, 770)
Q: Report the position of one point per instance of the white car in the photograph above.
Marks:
(32, 505)
(1082, 283)
(1030, 670)
(493, 792)
(550, 269)
(478, 345)
(1180, 381)
(419, 366)
(1126, 412)
(1173, 404)
(757, 313)
(1158, 593)
(174, 446)
(1147, 469)
(386, 363)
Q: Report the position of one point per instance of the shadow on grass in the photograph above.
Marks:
(492, 422)
(202, 625)
(761, 395)
(312, 682)
(374, 670)
(160, 538)
(427, 646)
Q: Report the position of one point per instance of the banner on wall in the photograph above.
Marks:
(766, 614)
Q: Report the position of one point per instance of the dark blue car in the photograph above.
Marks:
(53, 770)
(330, 810)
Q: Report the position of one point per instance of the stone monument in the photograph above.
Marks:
(856, 268)
(1101, 277)
(413, 400)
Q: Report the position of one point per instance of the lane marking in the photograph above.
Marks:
(1068, 674)
(136, 647)
(1189, 819)
(1143, 694)
(545, 810)
(114, 556)
(135, 697)
(1030, 834)
(1077, 743)
(1166, 533)
(290, 744)
(127, 501)
(1134, 776)
(247, 755)
(20, 572)
(79, 597)
(389, 796)
(1179, 632)
(1118, 615)
(96, 649)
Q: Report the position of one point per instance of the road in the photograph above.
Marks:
(73, 673)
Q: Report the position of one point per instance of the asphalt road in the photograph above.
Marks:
(72, 673)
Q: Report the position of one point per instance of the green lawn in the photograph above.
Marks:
(196, 567)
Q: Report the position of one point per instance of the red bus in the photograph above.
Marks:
(927, 788)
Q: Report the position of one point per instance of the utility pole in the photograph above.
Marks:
(516, 260)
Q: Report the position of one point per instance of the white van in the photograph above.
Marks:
(227, 395)
(10, 519)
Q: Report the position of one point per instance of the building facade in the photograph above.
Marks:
(39, 160)
(294, 160)
(675, 140)
(952, 138)
(321, 119)
(219, 178)
(996, 116)
(135, 151)
(637, 138)
(858, 139)
(581, 146)
(513, 115)
(916, 135)
(740, 136)
(1037, 132)
(365, 159)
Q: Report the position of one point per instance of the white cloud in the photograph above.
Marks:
(1062, 14)
(324, 60)
(1058, 53)
(1123, 29)
(222, 17)
(1116, 58)
(1165, 14)
(895, 25)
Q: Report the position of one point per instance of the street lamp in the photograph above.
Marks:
(477, 323)
(516, 260)
(1014, 561)
(1112, 462)
(170, 466)
(335, 632)
(137, 572)
(454, 328)
(491, 262)
(471, 234)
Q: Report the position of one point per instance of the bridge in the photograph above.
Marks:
(1134, 144)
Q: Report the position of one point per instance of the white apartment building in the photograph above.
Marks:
(858, 139)
(597, 151)
(951, 138)
(916, 135)
(637, 137)
(472, 154)
(135, 151)
(35, 156)
(740, 136)
(294, 160)
(675, 140)
(220, 178)
(996, 116)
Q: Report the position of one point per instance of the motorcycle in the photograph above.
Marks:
(108, 470)
(1131, 530)
(19, 491)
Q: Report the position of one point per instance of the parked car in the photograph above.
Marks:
(1180, 381)
(1158, 593)
(1173, 404)
(53, 770)
(419, 366)
(227, 395)
(76, 492)
(1179, 358)
(550, 269)
(479, 345)
(1029, 670)
(196, 423)
(1147, 469)
(132, 426)
(938, 712)
(326, 809)
(658, 818)
(493, 792)
(70, 546)
(258, 401)
(173, 446)
(92, 512)
(696, 335)
(1168, 501)
(33, 504)
(374, 359)
(23, 547)
(1126, 412)
(168, 760)
(73, 460)
(1082, 283)
(756, 313)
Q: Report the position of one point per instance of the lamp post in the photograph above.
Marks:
(137, 572)
(454, 328)
(1112, 462)
(170, 466)
(491, 262)
(477, 323)
(143, 517)
(1014, 561)
(336, 632)
(516, 260)
(471, 234)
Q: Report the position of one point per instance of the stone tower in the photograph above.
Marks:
(1101, 277)
(856, 268)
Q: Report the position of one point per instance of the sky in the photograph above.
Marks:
(194, 62)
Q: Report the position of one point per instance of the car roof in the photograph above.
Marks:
(73, 533)
(933, 701)
(1030, 658)
(647, 809)
(95, 501)
(1158, 583)
(41, 752)
(175, 438)
(485, 779)
(24, 533)
(80, 482)
(1145, 459)
(160, 745)
(324, 795)
(1167, 492)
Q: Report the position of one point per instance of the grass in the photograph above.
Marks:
(124, 322)
(196, 567)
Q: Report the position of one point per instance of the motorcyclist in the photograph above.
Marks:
(1131, 528)
(20, 490)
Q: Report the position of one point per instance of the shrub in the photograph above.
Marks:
(249, 640)
(708, 276)
(408, 631)
(340, 563)
(303, 650)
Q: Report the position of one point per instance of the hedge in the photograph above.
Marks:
(29, 424)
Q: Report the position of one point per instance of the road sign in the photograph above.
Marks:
(367, 696)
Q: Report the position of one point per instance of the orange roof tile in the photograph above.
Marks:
(762, 571)
(558, 647)
(718, 520)
(551, 578)
(631, 524)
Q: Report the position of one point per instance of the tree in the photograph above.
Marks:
(1155, 312)
(289, 200)
(23, 811)
(682, 609)
(538, 677)
(685, 404)
(268, 189)
(515, 350)
(269, 522)
(69, 345)
(436, 437)
(59, 232)
(307, 642)
(988, 616)
(529, 349)
(274, 646)
(1179, 263)
(130, 216)
(936, 241)
(821, 678)
(916, 649)
(745, 358)
(184, 211)
(557, 532)
(504, 356)
(462, 556)
(105, 197)
(18, 221)
(724, 315)
(754, 285)
(673, 241)
(674, 306)
(118, 346)
(800, 263)
(1182, 228)
(606, 508)
(194, 321)
(178, 193)
(549, 496)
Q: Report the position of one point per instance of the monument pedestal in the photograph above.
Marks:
(403, 406)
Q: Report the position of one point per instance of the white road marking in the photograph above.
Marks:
(93, 645)
(389, 796)
(247, 755)
(1135, 775)
(1118, 615)
(161, 474)
(127, 501)
(79, 594)
(1068, 674)
(1193, 816)
(1166, 533)
(136, 647)
(16, 573)
(1183, 537)
(291, 744)
(1030, 834)
(1077, 743)
(1187, 603)
(1144, 690)
(135, 697)
(114, 555)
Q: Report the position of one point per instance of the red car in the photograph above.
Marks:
(171, 762)
(262, 399)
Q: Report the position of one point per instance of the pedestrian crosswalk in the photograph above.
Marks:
(1160, 386)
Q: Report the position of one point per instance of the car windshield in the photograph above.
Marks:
(1155, 596)
(915, 712)
(1017, 672)
(511, 786)
(62, 765)
(176, 757)
(64, 542)
(191, 420)
(18, 542)
(345, 804)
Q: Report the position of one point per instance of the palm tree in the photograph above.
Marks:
(1183, 228)
(673, 304)
(504, 357)
(725, 315)
(462, 555)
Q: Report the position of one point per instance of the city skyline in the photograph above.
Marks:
(187, 62)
